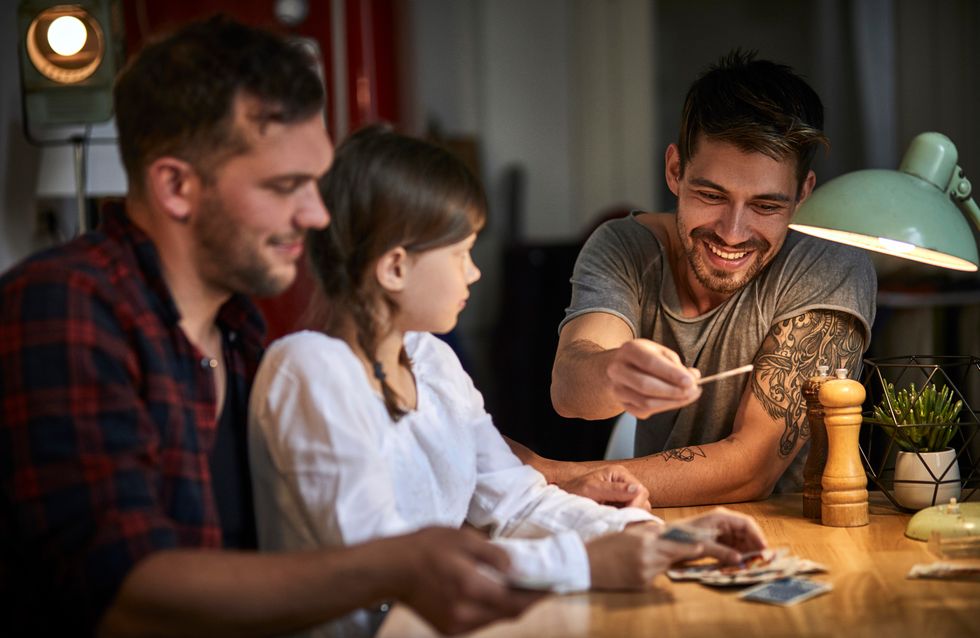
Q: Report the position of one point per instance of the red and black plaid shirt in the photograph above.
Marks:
(108, 419)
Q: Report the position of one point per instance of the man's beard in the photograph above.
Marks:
(229, 257)
(715, 280)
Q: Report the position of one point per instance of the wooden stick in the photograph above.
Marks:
(725, 374)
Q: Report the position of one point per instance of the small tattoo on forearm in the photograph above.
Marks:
(685, 454)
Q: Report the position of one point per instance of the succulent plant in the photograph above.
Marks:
(926, 417)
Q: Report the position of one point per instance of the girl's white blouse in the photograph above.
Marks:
(330, 467)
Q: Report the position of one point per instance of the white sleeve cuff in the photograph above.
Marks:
(615, 520)
(558, 563)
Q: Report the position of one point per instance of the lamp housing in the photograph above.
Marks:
(923, 211)
(69, 55)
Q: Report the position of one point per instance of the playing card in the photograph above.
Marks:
(785, 591)
(680, 533)
(755, 567)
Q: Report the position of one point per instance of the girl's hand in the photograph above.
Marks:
(631, 559)
(736, 534)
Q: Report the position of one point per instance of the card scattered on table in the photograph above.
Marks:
(946, 571)
(756, 567)
(785, 591)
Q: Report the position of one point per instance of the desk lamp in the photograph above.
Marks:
(918, 212)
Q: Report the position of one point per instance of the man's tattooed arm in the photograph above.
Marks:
(790, 355)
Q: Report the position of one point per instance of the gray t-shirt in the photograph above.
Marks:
(624, 270)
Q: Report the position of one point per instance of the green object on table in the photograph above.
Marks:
(926, 417)
(920, 212)
(955, 520)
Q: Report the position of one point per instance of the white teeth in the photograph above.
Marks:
(726, 255)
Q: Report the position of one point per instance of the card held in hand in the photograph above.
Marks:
(688, 534)
(785, 591)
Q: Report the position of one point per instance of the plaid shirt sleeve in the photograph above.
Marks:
(80, 454)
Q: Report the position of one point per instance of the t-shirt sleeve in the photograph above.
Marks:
(608, 271)
(817, 274)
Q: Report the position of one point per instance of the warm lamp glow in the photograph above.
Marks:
(888, 247)
(65, 44)
(67, 35)
(923, 211)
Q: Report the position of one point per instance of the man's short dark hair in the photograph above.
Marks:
(176, 96)
(757, 105)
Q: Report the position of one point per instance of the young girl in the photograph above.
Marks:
(371, 427)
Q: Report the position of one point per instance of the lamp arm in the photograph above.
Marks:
(960, 191)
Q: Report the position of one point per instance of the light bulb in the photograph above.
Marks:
(67, 35)
(894, 246)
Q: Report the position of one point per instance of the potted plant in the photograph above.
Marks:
(922, 422)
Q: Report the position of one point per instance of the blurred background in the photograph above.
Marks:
(564, 109)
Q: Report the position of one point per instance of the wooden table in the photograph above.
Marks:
(867, 567)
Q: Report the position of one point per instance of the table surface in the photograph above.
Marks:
(867, 567)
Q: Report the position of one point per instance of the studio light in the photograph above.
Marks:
(69, 56)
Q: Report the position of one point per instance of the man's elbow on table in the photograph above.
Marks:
(755, 478)
(761, 479)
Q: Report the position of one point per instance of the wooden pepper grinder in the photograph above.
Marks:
(816, 458)
(845, 495)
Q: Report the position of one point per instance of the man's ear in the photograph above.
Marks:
(174, 185)
(808, 183)
(392, 269)
(672, 168)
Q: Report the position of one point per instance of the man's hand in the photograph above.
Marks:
(444, 584)
(610, 485)
(648, 378)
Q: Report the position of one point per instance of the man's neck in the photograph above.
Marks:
(197, 302)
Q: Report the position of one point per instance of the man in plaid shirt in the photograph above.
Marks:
(126, 358)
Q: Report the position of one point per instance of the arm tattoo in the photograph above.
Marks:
(685, 454)
(791, 353)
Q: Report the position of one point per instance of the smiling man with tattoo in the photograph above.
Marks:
(660, 298)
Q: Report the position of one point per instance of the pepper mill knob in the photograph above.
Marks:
(816, 457)
(844, 498)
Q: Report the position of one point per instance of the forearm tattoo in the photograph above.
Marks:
(685, 454)
(790, 355)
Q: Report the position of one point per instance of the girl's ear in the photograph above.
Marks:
(174, 185)
(392, 269)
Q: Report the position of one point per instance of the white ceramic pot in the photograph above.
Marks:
(910, 468)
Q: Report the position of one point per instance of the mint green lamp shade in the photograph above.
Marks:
(921, 212)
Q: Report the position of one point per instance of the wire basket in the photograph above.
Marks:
(881, 444)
